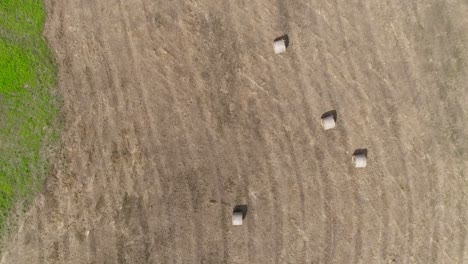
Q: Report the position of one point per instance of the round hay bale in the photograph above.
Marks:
(328, 122)
(360, 160)
(237, 218)
(279, 46)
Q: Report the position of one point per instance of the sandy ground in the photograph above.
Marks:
(176, 111)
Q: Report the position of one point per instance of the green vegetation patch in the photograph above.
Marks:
(28, 106)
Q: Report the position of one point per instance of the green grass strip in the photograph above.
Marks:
(28, 108)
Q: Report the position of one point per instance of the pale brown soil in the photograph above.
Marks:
(176, 111)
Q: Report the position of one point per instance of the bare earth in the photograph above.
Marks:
(176, 111)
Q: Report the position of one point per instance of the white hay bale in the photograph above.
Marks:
(359, 160)
(328, 122)
(279, 46)
(237, 218)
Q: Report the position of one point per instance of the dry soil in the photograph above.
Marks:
(176, 111)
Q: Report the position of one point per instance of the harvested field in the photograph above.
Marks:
(175, 112)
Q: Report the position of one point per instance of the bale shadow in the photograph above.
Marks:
(285, 38)
(241, 208)
(330, 113)
(360, 152)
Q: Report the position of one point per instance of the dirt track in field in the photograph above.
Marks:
(177, 111)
